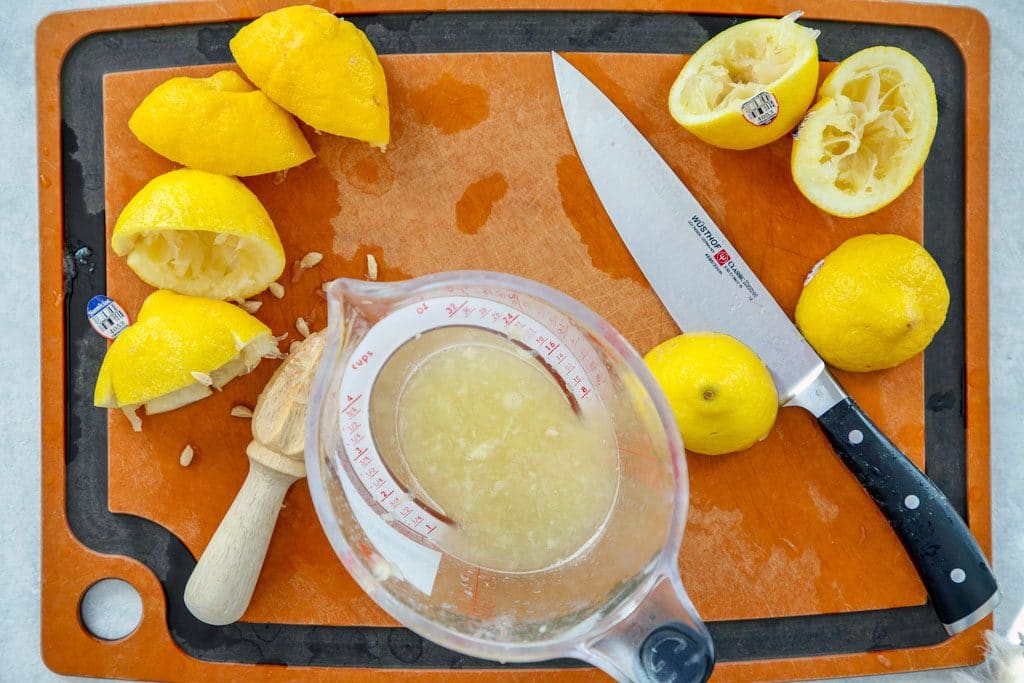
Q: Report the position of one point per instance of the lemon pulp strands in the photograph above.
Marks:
(862, 144)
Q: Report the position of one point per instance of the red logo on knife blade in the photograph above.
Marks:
(722, 257)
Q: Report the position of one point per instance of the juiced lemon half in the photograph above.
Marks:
(869, 134)
(319, 67)
(219, 124)
(177, 352)
(200, 234)
(749, 85)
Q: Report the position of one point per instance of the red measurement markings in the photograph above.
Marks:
(351, 402)
(452, 309)
(362, 360)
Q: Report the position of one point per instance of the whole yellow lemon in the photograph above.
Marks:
(874, 302)
(722, 394)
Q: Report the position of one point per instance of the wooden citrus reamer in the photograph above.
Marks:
(220, 588)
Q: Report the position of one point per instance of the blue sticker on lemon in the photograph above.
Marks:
(106, 316)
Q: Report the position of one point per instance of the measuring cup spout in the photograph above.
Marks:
(353, 306)
(662, 640)
(364, 300)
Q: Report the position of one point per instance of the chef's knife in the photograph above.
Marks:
(705, 285)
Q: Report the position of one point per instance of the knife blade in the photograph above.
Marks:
(704, 284)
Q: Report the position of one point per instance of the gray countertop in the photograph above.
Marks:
(19, 453)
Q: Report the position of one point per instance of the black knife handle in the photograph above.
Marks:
(952, 567)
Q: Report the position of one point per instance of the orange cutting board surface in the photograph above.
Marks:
(481, 173)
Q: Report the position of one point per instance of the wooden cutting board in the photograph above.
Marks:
(481, 173)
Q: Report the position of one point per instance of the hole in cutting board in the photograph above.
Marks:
(110, 609)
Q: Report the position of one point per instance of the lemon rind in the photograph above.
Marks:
(808, 173)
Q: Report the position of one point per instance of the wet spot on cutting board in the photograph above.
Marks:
(298, 214)
(941, 401)
(474, 206)
(583, 209)
(367, 170)
(450, 105)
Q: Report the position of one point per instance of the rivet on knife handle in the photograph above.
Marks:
(952, 567)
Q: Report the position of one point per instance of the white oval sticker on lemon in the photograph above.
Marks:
(749, 85)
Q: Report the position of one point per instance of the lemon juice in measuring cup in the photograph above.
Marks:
(494, 465)
(484, 432)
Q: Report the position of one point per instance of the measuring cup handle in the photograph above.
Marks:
(661, 641)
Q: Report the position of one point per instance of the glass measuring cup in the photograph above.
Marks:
(618, 602)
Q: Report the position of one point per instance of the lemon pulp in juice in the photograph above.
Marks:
(493, 440)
